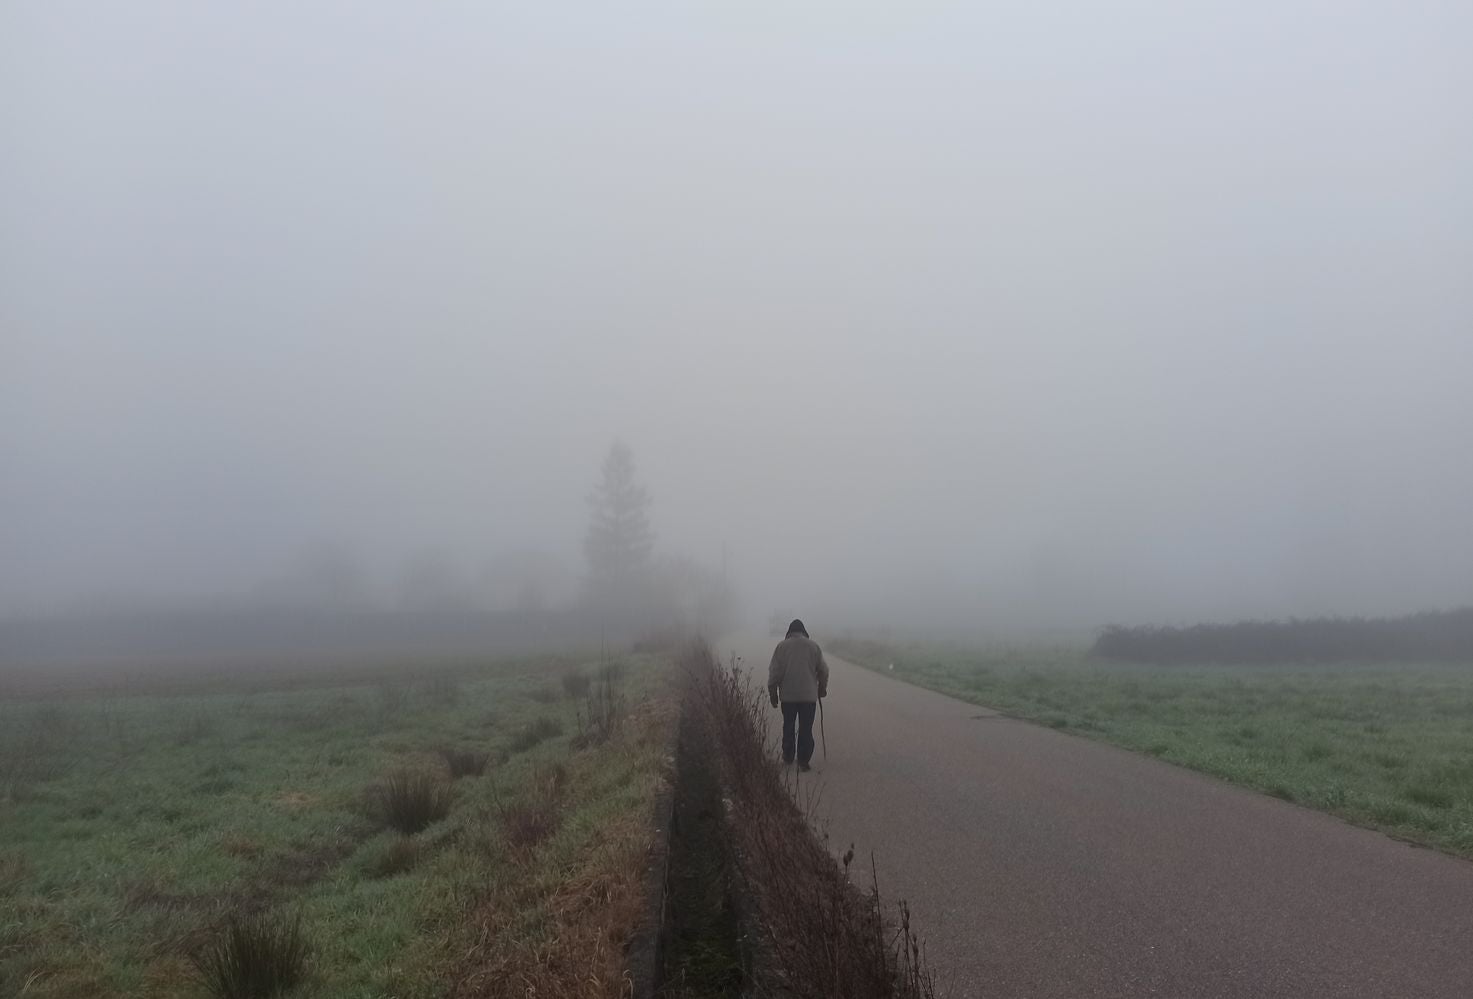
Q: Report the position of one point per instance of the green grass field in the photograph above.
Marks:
(1389, 747)
(133, 827)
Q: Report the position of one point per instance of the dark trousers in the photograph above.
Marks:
(801, 713)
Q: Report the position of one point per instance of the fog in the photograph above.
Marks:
(942, 316)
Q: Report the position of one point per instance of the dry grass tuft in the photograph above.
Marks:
(410, 800)
(254, 957)
(533, 818)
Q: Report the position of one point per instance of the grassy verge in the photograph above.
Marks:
(136, 832)
(1390, 747)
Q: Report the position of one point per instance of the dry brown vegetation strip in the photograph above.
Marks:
(814, 934)
(560, 930)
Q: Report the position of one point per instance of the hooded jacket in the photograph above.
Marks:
(797, 671)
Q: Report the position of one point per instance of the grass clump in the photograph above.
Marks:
(534, 733)
(465, 762)
(255, 957)
(534, 817)
(410, 800)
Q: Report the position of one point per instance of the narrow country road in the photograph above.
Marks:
(1040, 864)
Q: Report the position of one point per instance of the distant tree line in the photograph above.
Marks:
(270, 632)
(1432, 636)
(326, 603)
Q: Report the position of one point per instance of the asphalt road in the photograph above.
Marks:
(1041, 864)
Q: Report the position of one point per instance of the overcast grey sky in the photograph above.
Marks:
(997, 314)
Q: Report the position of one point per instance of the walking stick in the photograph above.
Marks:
(823, 737)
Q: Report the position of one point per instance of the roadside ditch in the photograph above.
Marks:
(750, 903)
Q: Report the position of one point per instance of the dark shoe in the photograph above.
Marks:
(787, 760)
(804, 768)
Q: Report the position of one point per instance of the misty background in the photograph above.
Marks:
(961, 317)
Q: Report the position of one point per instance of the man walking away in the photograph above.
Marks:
(798, 677)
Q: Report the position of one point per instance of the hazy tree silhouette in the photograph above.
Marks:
(619, 537)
